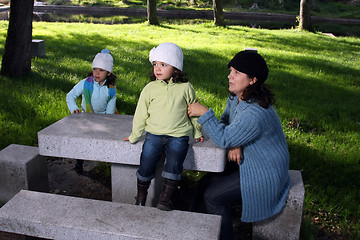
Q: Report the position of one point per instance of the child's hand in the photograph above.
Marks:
(200, 139)
(77, 111)
(126, 139)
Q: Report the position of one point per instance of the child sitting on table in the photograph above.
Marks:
(162, 112)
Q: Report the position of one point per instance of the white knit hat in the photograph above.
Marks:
(103, 60)
(169, 53)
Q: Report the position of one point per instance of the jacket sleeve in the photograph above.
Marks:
(197, 128)
(238, 133)
(140, 116)
(75, 92)
(111, 105)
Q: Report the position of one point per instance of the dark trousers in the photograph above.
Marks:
(216, 193)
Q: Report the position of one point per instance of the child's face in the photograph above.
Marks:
(163, 71)
(100, 75)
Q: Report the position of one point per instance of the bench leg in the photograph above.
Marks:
(124, 182)
(286, 224)
(21, 167)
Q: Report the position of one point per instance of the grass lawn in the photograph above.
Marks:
(316, 79)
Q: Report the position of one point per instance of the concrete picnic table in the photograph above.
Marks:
(99, 137)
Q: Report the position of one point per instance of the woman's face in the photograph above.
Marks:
(239, 81)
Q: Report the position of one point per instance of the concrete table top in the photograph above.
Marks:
(99, 137)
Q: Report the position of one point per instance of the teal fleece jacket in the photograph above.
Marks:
(162, 110)
(264, 169)
(99, 98)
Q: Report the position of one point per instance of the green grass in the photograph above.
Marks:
(316, 79)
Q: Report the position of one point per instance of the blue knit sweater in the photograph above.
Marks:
(264, 170)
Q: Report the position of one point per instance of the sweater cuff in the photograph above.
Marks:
(206, 116)
(133, 139)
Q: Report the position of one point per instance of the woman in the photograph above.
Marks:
(251, 131)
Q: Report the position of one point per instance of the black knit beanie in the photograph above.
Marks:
(251, 63)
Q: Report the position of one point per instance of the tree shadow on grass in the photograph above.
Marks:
(69, 58)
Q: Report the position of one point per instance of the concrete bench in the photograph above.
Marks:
(62, 217)
(21, 168)
(286, 224)
(99, 137)
(38, 48)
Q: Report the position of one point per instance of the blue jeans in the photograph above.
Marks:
(175, 149)
(216, 193)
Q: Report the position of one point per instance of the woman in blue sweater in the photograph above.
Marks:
(251, 131)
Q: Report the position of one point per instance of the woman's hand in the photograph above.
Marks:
(196, 109)
(77, 111)
(235, 154)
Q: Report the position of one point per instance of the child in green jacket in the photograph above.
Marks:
(162, 112)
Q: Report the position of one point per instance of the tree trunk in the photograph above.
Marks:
(219, 19)
(17, 54)
(152, 12)
(305, 15)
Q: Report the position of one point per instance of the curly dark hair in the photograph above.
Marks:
(178, 76)
(258, 92)
(110, 80)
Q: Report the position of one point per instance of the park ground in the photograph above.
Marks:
(93, 184)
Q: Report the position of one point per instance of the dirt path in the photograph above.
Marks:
(188, 14)
(185, 14)
(64, 180)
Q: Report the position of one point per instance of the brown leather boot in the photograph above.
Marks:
(142, 191)
(169, 186)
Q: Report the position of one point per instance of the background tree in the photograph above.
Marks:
(152, 12)
(305, 15)
(219, 19)
(17, 54)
